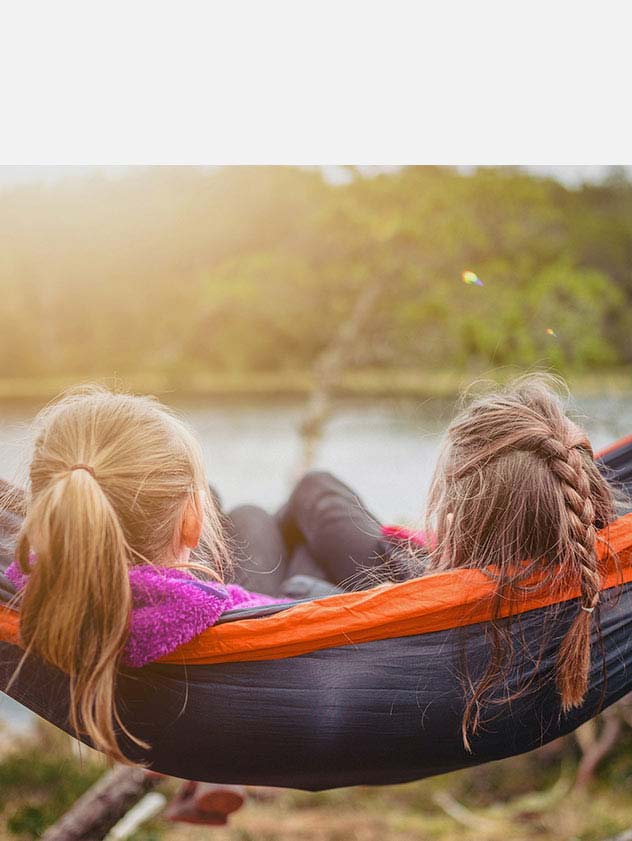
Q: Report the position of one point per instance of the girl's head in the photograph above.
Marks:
(516, 492)
(115, 480)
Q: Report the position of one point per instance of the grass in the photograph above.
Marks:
(365, 382)
(522, 799)
(39, 781)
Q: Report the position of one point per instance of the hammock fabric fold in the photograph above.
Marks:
(359, 688)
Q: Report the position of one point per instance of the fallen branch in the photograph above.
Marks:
(460, 813)
(534, 802)
(623, 836)
(103, 805)
(149, 807)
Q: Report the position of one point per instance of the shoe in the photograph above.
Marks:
(205, 803)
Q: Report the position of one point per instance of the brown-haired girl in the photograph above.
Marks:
(515, 493)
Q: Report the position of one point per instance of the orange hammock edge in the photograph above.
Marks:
(437, 602)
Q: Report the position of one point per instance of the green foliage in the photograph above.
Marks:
(241, 269)
(41, 780)
(38, 785)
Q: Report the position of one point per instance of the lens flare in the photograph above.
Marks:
(471, 278)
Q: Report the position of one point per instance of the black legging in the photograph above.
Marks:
(261, 561)
(323, 533)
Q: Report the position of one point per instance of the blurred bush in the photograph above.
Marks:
(180, 269)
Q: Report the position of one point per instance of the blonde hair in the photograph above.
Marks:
(515, 483)
(110, 477)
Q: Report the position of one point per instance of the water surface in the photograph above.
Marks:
(384, 449)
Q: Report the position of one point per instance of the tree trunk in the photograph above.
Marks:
(330, 365)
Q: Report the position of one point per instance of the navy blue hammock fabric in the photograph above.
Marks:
(379, 712)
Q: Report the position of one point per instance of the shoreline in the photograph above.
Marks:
(359, 383)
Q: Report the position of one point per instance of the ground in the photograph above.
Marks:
(522, 799)
(407, 812)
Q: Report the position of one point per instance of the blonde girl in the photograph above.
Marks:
(117, 503)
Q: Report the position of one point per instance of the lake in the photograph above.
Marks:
(386, 450)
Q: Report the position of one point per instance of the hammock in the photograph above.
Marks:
(355, 689)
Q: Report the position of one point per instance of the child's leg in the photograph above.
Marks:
(261, 561)
(306, 579)
(340, 534)
(258, 550)
(302, 563)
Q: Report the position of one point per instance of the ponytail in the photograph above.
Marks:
(75, 610)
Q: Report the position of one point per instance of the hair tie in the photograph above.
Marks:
(84, 467)
(588, 609)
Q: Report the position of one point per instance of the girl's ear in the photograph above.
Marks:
(192, 521)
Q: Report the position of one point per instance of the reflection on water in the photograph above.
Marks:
(386, 450)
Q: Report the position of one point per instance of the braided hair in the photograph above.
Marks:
(516, 492)
(569, 466)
